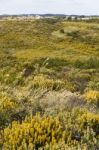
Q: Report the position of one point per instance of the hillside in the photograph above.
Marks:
(49, 85)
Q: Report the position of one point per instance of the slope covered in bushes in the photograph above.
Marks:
(49, 85)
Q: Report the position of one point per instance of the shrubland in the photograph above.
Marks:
(49, 85)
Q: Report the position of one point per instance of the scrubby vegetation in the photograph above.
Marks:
(49, 85)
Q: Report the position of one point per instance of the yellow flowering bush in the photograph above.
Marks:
(32, 133)
(42, 81)
(92, 96)
(8, 105)
(89, 119)
(69, 130)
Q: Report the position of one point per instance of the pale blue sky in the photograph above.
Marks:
(87, 7)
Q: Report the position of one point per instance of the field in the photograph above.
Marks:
(49, 85)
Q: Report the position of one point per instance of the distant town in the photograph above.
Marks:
(47, 16)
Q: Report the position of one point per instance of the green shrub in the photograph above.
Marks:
(73, 34)
(87, 64)
(62, 31)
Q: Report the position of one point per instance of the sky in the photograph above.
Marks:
(78, 7)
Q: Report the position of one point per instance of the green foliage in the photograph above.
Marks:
(62, 31)
(94, 85)
(88, 64)
(73, 34)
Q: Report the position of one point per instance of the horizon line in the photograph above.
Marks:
(8, 14)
